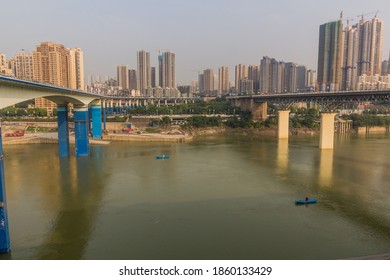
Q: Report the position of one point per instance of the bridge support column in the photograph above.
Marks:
(327, 131)
(63, 131)
(259, 111)
(81, 131)
(5, 244)
(283, 124)
(96, 121)
(105, 115)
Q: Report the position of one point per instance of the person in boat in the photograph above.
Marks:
(306, 199)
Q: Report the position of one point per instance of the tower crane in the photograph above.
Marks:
(362, 15)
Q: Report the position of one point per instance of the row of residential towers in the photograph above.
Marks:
(145, 76)
(271, 76)
(346, 55)
(50, 63)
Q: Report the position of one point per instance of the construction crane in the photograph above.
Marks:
(362, 15)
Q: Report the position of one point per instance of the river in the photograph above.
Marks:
(216, 197)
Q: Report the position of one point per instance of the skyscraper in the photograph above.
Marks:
(350, 56)
(290, 77)
(123, 76)
(76, 68)
(301, 77)
(370, 46)
(265, 80)
(168, 70)
(254, 75)
(144, 71)
(133, 79)
(241, 72)
(153, 78)
(50, 62)
(57, 65)
(208, 80)
(330, 51)
(223, 80)
(24, 66)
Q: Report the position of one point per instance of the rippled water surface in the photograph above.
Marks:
(214, 198)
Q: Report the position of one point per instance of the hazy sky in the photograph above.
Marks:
(202, 33)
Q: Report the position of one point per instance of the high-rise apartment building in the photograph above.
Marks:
(57, 65)
(265, 81)
(153, 78)
(201, 82)
(144, 71)
(330, 51)
(370, 46)
(76, 68)
(246, 86)
(223, 80)
(167, 67)
(385, 67)
(301, 77)
(276, 76)
(123, 76)
(241, 72)
(50, 63)
(133, 79)
(3, 60)
(208, 81)
(290, 77)
(6, 67)
(311, 78)
(350, 58)
(254, 75)
(24, 66)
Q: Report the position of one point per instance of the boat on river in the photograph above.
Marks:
(162, 157)
(305, 201)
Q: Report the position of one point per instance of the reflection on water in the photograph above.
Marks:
(326, 168)
(282, 155)
(215, 198)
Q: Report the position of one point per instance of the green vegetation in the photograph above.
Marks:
(368, 120)
(23, 112)
(217, 107)
(303, 117)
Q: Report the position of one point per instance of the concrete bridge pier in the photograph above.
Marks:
(104, 116)
(5, 243)
(63, 130)
(283, 124)
(327, 131)
(120, 107)
(81, 131)
(111, 107)
(258, 110)
(96, 120)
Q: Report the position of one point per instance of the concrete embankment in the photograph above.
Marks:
(44, 138)
(146, 137)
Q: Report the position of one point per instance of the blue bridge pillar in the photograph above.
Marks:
(96, 121)
(81, 125)
(5, 244)
(105, 115)
(63, 131)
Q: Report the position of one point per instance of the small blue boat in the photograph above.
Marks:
(306, 201)
(162, 157)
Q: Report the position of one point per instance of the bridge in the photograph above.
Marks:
(88, 106)
(329, 102)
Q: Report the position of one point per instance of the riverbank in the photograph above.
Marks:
(171, 133)
(45, 138)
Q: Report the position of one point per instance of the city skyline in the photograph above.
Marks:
(194, 31)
